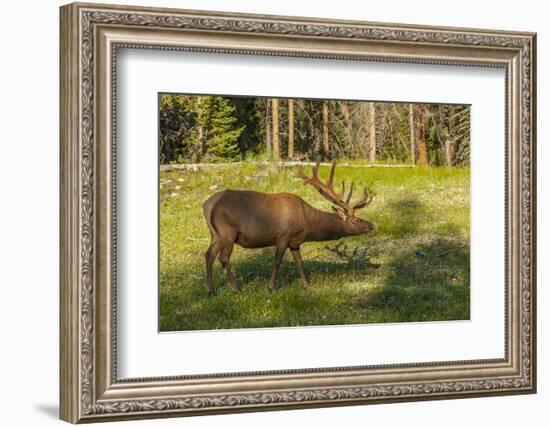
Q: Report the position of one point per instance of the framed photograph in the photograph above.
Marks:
(266, 212)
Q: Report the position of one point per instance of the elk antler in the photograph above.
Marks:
(364, 201)
(327, 190)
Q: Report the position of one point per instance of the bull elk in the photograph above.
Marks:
(255, 220)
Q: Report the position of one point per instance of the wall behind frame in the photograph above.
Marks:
(29, 171)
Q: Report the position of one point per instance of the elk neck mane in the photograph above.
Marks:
(323, 226)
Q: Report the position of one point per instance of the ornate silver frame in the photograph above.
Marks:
(90, 35)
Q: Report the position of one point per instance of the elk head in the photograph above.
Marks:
(340, 204)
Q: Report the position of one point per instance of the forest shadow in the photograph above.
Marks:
(259, 268)
(430, 282)
(403, 216)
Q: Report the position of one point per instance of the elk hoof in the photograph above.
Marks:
(272, 288)
(305, 285)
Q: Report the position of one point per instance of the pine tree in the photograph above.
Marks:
(223, 136)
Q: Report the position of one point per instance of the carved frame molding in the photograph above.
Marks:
(90, 36)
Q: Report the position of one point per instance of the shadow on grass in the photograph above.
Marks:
(255, 271)
(429, 283)
(259, 267)
(403, 216)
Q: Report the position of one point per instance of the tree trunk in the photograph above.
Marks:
(348, 126)
(450, 147)
(201, 134)
(290, 128)
(411, 132)
(325, 129)
(275, 120)
(268, 127)
(450, 153)
(167, 151)
(372, 132)
(422, 150)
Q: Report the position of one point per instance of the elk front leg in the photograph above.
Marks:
(210, 256)
(225, 256)
(298, 259)
(279, 253)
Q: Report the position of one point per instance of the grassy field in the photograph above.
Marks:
(415, 266)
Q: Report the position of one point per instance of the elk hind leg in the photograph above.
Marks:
(225, 257)
(210, 256)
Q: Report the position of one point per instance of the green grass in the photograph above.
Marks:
(415, 266)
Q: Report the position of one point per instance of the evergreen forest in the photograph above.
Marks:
(208, 129)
